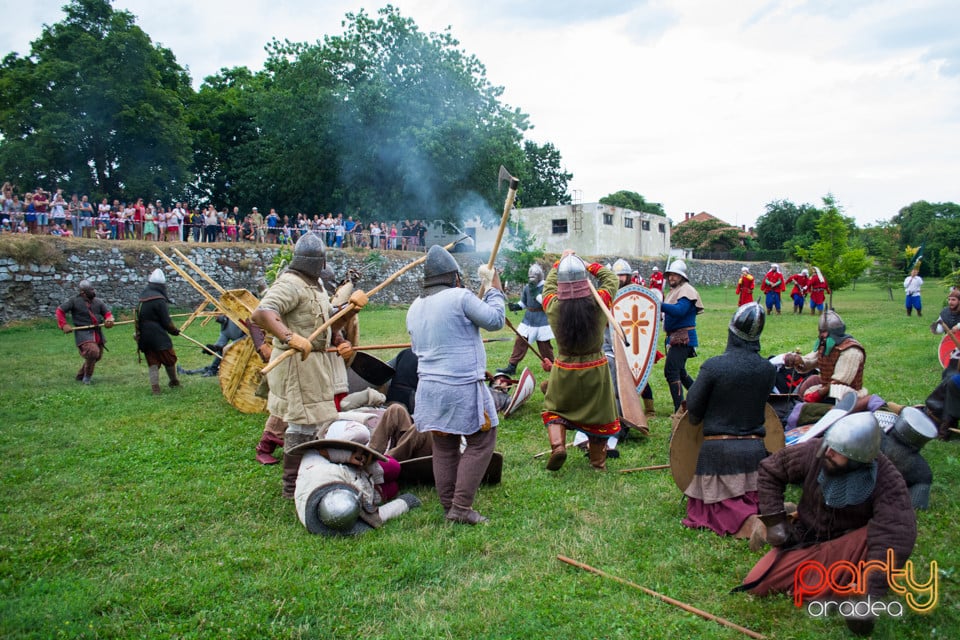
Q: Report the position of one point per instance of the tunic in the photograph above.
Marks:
(302, 391)
(534, 327)
(83, 313)
(580, 391)
(444, 329)
(729, 396)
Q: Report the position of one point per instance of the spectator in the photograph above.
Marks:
(73, 210)
(40, 206)
(86, 217)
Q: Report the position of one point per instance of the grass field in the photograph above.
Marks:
(132, 516)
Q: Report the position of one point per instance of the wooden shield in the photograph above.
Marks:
(687, 439)
(637, 310)
(240, 376)
(947, 347)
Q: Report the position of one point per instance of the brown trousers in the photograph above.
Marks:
(458, 475)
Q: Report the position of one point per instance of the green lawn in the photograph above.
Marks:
(128, 515)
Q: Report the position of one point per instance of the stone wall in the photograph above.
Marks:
(37, 274)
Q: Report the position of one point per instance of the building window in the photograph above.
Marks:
(645, 225)
(608, 218)
(628, 223)
(663, 228)
(559, 225)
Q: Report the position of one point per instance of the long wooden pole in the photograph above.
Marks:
(529, 344)
(402, 345)
(667, 599)
(949, 332)
(94, 326)
(614, 325)
(201, 345)
(653, 467)
(347, 308)
(203, 274)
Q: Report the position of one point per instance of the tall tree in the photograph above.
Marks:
(779, 227)
(840, 263)
(882, 243)
(95, 108)
(543, 183)
(633, 201)
(934, 225)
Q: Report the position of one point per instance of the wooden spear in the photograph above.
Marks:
(202, 346)
(347, 308)
(650, 468)
(529, 344)
(403, 345)
(667, 599)
(94, 326)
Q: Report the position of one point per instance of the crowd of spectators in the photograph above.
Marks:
(41, 212)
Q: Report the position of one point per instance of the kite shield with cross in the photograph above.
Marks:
(637, 310)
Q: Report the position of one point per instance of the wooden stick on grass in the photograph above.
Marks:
(650, 468)
(667, 599)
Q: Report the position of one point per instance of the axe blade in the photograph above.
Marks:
(504, 175)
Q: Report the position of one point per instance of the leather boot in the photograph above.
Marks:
(172, 374)
(558, 446)
(648, 408)
(291, 469)
(597, 449)
(155, 389)
(265, 448)
(154, 373)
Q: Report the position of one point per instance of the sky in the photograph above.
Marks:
(698, 105)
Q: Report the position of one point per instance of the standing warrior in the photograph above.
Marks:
(799, 292)
(452, 400)
(949, 320)
(656, 279)
(303, 390)
(153, 328)
(773, 285)
(580, 393)
(729, 397)
(534, 327)
(680, 310)
(911, 285)
(745, 287)
(86, 309)
(818, 290)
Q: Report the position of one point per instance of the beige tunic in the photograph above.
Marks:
(301, 391)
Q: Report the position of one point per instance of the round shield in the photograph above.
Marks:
(240, 376)
(524, 389)
(371, 368)
(687, 440)
(945, 349)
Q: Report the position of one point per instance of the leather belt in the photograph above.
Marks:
(733, 437)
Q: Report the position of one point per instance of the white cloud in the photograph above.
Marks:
(721, 107)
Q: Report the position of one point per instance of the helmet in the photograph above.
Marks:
(856, 436)
(309, 255)
(774, 266)
(914, 428)
(747, 322)
(804, 272)
(622, 268)
(157, 277)
(678, 267)
(85, 285)
(339, 509)
(440, 268)
(744, 269)
(572, 279)
(534, 273)
(831, 322)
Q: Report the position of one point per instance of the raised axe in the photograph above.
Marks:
(507, 207)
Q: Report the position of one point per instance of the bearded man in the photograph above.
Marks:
(855, 508)
(86, 310)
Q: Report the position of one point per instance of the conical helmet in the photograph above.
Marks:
(856, 436)
(534, 273)
(572, 279)
(831, 322)
(309, 255)
(678, 267)
(622, 268)
(747, 322)
(440, 268)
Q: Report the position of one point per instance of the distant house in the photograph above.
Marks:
(590, 229)
(703, 216)
(718, 237)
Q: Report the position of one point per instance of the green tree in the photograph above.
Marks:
(633, 201)
(95, 108)
(520, 253)
(840, 263)
(543, 183)
(935, 225)
(780, 226)
(882, 243)
(706, 235)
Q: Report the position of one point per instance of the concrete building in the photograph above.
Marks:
(590, 229)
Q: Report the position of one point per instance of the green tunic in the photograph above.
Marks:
(581, 388)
